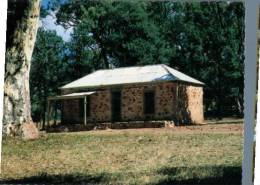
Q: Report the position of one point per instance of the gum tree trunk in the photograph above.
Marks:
(22, 25)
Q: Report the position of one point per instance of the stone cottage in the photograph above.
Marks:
(146, 93)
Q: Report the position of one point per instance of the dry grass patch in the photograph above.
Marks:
(134, 156)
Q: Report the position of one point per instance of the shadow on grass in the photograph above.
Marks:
(201, 175)
(45, 178)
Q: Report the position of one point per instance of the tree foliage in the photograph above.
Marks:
(48, 71)
(203, 40)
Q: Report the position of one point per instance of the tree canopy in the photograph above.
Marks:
(48, 70)
(202, 39)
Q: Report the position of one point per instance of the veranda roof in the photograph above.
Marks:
(72, 95)
(131, 75)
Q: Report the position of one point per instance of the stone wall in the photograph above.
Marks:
(189, 104)
(100, 107)
(71, 111)
(165, 100)
(195, 103)
(132, 103)
(182, 103)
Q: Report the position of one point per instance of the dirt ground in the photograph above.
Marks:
(211, 128)
(199, 129)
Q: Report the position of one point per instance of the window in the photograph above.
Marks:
(149, 102)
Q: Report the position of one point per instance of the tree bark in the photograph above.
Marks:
(22, 25)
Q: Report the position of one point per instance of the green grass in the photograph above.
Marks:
(146, 156)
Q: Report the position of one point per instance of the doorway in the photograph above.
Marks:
(116, 105)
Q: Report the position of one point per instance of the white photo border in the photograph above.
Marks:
(251, 27)
(3, 23)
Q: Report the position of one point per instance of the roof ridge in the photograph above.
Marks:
(130, 67)
(131, 74)
(167, 70)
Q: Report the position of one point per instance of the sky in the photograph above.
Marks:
(49, 23)
(44, 2)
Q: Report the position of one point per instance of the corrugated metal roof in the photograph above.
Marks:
(72, 95)
(130, 75)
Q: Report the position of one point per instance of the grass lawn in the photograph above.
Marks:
(209, 154)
